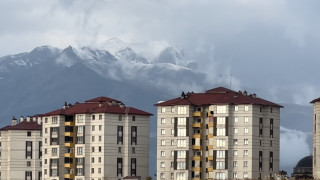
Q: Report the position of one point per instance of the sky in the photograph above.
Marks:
(270, 46)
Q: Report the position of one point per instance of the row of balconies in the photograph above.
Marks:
(200, 114)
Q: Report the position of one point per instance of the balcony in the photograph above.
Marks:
(210, 169)
(210, 158)
(67, 165)
(196, 178)
(197, 125)
(68, 176)
(196, 158)
(210, 135)
(69, 123)
(68, 134)
(210, 147)
(196, 136)
(197, 114)
(68, 144)
(69, 155)
(196, 169)
(210, 124)
(198, 147)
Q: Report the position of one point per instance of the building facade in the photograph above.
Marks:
(316, 138)
(219, 134)
(20, 150)
(99, 139)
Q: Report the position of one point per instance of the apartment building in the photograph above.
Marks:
(218, 134)
(20, 150)
(316, 138)
(96, 140)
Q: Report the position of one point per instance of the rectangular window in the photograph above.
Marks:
(182, 110)
(172, 109)
(182, 121)
(54, 151)
(221, 131)
(92, 128)
(172, 120)
(163, 131)
(235, 152)
(235, 175)
(133, 135)
(260, 127)
(181, 165)
(235, 130)
(245, 152)
(221, 154)
(79, 150)
(220, 165)
(120, 135)
(163, 142)
(181, 154)
(163, 120)
(221, 142)
(182, 143)
(119, 166)
(246, 108)
(133, 118)
(163, 153)
(92, 138)
(221, 109)
(236, 119)
(80, 118)
(100, 117)
(163, 109)
(28, 163)
(245, 163)
(271, 128)
(246, 119)
(120, 117)
(133, 150)
(221, 120)
(55, 120)
(234, 163)
(100, 138)
(93, 117)
(182, 132)
(246, 130)
(236, 108)
(100, 127)
(80, 129)
(235, 142)
(28, 133)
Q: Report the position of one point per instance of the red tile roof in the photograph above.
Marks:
(98, 105)
(216, 96)
(315, 100)
(23, 126)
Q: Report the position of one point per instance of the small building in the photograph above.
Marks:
(20, 149)
(303, 169)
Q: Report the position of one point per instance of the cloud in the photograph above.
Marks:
(293, 147)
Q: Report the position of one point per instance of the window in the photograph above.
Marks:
(119, 149)
(28, 133)
(172, 175)
(245, 163)
(221, 109)
(163, 153)
(92, 170)
(182, 110)
(99, 170)
(246, 108)
(235, 175)
(172, 120)
(246, 119)
(181, 176)
(55, 120)
(162, 175)
(133, 150)
(172, 153)
(163, 120)
(163, 142)
(221, 142)
(245, 175)
(92, 128)
(79, 118)
(120, 117)
(100, 127)
(181, 154)
(92, 149)
(182, 121)
(221, 131)
(246, 130)
(235, 142)
(54, 151)
(172, 109)
(92, 138)
(79, 171)
(172, 142)
(181, 165)
(220, 165)
(79, 150)
(100, 117)
(182, 143)
(163, 109)
(220, 175)
(236, 119)
(182, 132)
(45, 120)
(92, 160)
(100, 138)
(163, 131)
(80, 140)
(235, 130)
(236, 108)
(46, 130)
(28, 163)
(245, 152)
(162, 164)
(172, 131)
(120, 135)
(93, 117)
(221, 154)
(271, 110)
(221, 121)
(234, 163)
(246, 141)
(99, 159)
(80, 129)
(235, 152)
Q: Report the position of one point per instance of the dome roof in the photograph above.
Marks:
(305, 162)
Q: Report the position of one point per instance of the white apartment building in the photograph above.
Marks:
(96, 140)
(316, 138)
(219, 134)
(20, 150)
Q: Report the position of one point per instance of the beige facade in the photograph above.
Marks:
(222, 140)
(88, 141)
(20, 150)
(316, 138)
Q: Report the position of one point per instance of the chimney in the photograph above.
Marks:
(14, 121)
(21, 119)
(254, 95)
(39, 120)
(28, 118)
(65, 105)
(245, 93)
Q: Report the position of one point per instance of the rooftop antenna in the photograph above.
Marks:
(230, 81)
